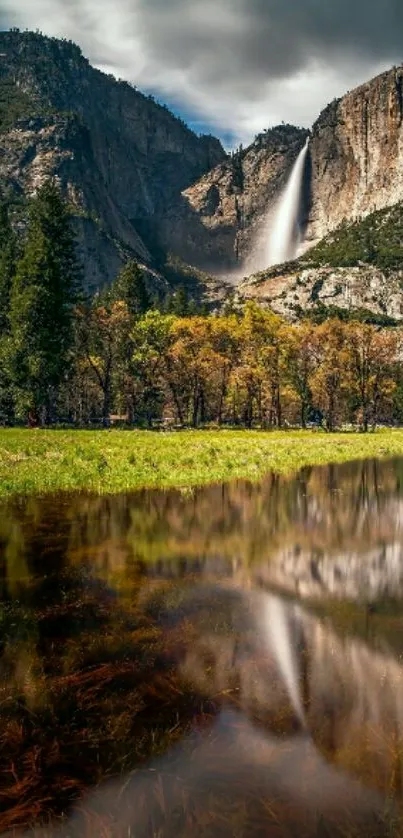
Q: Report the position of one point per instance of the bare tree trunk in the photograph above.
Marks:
(106, 405)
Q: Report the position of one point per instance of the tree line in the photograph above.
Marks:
(65, 358)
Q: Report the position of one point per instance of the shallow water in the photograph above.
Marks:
(223, 662)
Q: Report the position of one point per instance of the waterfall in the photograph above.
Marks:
(283, 238)
(279, 239)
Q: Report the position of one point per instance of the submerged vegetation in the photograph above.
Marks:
(91, 695)
(39, 461)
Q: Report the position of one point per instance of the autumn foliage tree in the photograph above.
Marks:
(372, 353)
(329, 381)
(102, 332)
(249, 368)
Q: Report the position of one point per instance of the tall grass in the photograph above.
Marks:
(42, 461)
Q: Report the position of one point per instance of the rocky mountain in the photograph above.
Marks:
(354, 167)
(143, 185)
(121, 158)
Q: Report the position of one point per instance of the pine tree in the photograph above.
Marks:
(178, 302)
(43, 295)
(131, 288)
(8, 252)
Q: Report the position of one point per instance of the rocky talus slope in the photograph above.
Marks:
(294, 293)
(357, 268)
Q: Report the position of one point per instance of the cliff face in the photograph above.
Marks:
(121, 158)
(357, 154)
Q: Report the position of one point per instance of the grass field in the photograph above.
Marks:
(39, 461)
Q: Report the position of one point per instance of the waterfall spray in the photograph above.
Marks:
(283, 239)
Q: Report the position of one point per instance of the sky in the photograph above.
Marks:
(229, 67)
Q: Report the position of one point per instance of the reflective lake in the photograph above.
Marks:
(220, 662)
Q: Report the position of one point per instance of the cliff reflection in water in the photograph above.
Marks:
(156, 678)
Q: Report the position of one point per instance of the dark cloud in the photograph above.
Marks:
(260, 39)
(243, 64)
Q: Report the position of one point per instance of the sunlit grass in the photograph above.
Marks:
(41, 461)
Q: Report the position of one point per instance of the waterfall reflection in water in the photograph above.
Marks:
(144, 671)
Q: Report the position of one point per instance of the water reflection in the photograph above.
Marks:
(157, 679)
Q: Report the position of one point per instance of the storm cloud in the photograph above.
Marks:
(237, 65)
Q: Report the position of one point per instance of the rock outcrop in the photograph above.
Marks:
(293, 291)
(359, 266)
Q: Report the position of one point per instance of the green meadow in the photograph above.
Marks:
(42, 461)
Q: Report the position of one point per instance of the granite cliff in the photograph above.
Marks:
(121, 158)
(356, 154)
(231, 202)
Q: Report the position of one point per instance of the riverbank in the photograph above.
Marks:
(41, 461)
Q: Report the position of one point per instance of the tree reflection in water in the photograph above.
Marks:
(156, 679)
